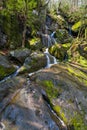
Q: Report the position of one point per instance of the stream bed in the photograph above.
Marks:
(22, 106)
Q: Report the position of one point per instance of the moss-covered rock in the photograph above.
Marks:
(61, 21)
(35, 44)
(36, 61)
(51, 90)
(5, 67)
(65, 86)
(62, 36)
(76, 26)
(77, 52)
(59, 50)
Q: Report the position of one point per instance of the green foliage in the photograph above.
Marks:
(14, 17)
(59, 50)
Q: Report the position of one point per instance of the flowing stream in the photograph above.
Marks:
(48, 56)
(51, 60)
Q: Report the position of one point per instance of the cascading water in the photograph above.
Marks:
(48, 56)
(52, 37)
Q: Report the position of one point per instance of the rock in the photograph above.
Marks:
(36, 61)
(60, 50)
(82, 48)
(61, 21)
(27, 110)
(36, 46)
(5, 67)
(65, 86)
(3, 39)
(76, 26)
(62, 36)
(9, 86)
(78, 53)
(46, 40)
(35, 43)
(20, 54)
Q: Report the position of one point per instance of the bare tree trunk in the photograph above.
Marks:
(25, 17)
(24, 36)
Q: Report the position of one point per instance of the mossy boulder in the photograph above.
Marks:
(80, 27)
(61, 21)
(5, 67)
(78, 52)
(83, 49)
(62, 36)
(35, 44)
(36, 61)
(65, 86)
(20, 54)
(59, 50)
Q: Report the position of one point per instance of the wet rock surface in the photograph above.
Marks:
(26, 109)
(20, 54)
(70, 101)
(6, 68)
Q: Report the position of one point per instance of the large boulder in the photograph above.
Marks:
(78, 52)
(23, 108)
(65, 87)
(60, 50)
(20, 54)
(5, 67)
(62, 36)
(61, 21)
(36, 61)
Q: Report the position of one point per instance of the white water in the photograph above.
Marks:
(49, 64)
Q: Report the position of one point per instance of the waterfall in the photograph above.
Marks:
(52, 37)
(54, 59)
(48, 56)
(48, 61)
(48, 39)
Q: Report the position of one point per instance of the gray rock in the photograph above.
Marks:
(20, 54)
(36, 61)
(5, 67)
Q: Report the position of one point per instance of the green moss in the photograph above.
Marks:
(6, 71)
(81, 76)
(58, 51)
(60, 112)
(66, 45)
(78, 122)
(85, 49)
(51, 90)
(76, 26)
(83, 61)
(34, 41)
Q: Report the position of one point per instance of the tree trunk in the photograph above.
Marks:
(25, 22)
(24, 36)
